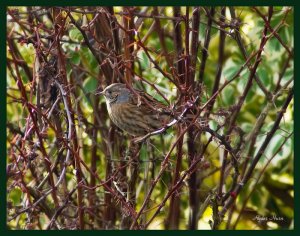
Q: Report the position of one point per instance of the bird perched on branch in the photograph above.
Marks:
(134, 111)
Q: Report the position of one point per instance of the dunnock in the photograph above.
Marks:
(135, 112)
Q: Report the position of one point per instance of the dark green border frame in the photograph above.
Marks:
(152, 3)
(4, 3)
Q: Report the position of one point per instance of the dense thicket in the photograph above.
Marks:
(228, 163)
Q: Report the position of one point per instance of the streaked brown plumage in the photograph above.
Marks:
(136, 113)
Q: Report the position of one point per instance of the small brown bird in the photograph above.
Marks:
(136, 112)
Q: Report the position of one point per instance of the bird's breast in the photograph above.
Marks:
(136, 120)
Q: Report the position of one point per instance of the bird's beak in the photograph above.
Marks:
(99, 93)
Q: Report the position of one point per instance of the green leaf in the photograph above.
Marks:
(229, 96)
(231, 68)
(88, 60)
(75, 35)
(145, 60)
(75, 58)
(15, 195)
(241, 84)
(90, 84)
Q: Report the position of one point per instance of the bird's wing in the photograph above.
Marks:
(152, 104)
